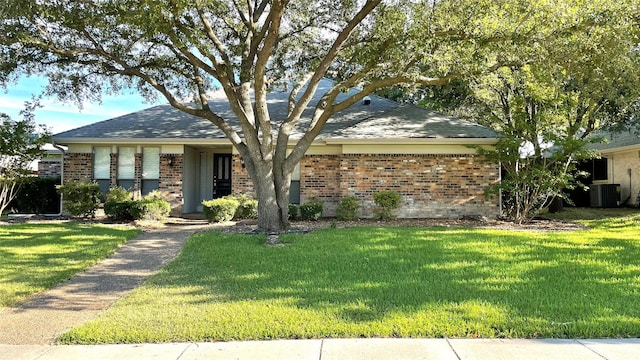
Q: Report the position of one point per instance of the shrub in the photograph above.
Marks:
(312, 209)
(348, 208)
(121, 207)
(80, 198)
(119, 194)
(247, 208)
(219, 210)
(37, 195)
(154, 207)
(123, 210)
(387, 201)
(293, 211)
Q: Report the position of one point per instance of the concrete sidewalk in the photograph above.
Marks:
(334, 349)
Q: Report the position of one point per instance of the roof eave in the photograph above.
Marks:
(398, 141)
(171, 141)
(619, 149)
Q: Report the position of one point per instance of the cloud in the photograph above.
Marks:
(60, 116)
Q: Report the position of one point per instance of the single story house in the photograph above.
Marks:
(620, 164)
(375, 145)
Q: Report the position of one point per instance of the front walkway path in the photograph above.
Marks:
(46, 316)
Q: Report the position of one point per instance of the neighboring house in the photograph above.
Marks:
(50, 164)
(620, 164)
(374, 145)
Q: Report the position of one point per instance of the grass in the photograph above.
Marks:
(36, 257)
(389, 282)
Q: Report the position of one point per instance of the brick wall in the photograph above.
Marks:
(431, 186)
(240, 181)
(170, 184)
(320, 178)
(49, 168)
(78, 166)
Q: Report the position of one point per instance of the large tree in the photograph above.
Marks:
(182, 49)
(547, 107)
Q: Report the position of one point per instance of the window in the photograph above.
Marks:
(600, 169)
(126, 167)
(150, 169)
(294, 191)
(102, 167)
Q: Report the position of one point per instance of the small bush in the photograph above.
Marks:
(219, 210)
(387, 201)
(155, 206)
(37, 195)
(247, 208)
(312, 209)
(119, 194)
(123, 210)
(121, 207)
(293, 211)
(348, 208)
(80, 198)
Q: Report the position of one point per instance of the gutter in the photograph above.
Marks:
(62, 152)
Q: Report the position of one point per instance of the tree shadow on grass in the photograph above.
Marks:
(525, 282)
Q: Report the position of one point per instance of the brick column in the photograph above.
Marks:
(170, 184)
(113, 170)
(137, 177)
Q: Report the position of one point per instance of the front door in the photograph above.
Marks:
(221, 175)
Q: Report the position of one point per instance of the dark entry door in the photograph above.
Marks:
(221, 175)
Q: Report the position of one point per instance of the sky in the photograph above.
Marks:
(59, 116)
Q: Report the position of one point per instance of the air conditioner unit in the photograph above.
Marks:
(605, 195)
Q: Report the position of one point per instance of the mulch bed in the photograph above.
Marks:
(247, 227)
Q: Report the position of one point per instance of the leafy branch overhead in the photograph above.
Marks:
(182, 50)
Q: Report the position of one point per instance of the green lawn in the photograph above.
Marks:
(389, 282)
(36, 257)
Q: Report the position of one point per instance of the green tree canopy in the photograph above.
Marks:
(182, 49)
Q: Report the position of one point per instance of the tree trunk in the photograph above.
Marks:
(272, 194)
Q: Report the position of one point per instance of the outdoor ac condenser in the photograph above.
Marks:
(605, 195)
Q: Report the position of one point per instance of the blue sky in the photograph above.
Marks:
(59, 116)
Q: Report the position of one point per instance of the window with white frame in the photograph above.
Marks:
(126, 167)
(102, 167)
(150, 169)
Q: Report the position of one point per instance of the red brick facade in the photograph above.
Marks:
(431, 186)
(49, 168)
(79, 166)
(170, 185)
(241, 182)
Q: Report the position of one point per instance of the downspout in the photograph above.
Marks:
(62, 153)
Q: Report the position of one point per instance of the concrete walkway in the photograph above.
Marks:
(338, 349)
(29, 331)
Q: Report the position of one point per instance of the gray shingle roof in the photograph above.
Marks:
(617, 140)
(379, 120)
